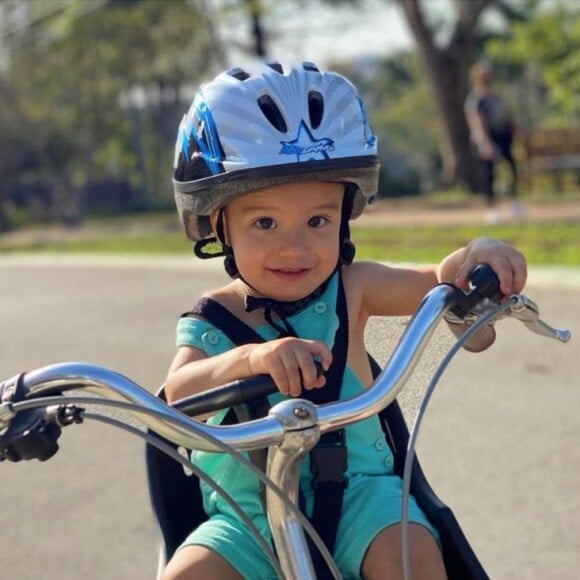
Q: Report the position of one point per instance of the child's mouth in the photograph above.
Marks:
(289, 273)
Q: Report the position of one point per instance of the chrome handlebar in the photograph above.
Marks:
(265, 432)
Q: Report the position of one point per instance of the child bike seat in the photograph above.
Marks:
(178, 509)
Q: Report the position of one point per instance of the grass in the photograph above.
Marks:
(145, 243)
(542, 243)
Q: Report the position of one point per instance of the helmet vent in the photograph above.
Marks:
(238, 73)
(272, 113)
(275, 66)
(310, 66)
(315, 108)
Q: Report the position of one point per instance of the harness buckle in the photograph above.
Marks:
(328, 461)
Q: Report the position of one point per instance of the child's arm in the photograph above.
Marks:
(289, 361)
(379, 290)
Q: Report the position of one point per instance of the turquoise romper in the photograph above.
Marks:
(372, 498)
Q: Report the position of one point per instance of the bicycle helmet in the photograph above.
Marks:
(245, 131)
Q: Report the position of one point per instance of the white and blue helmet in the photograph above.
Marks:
(247, 131)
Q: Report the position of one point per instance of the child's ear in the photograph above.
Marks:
(213, 218)
(216, 219)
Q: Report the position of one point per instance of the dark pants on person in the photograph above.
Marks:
(487, 170)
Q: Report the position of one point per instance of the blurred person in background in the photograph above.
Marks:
(492, 129)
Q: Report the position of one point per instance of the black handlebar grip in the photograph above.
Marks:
(230, 394)
(485, 281)
(485, 284)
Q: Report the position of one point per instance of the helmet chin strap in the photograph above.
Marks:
(230, 260)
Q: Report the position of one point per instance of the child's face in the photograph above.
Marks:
(286, 238)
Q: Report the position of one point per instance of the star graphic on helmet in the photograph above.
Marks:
(306, 147)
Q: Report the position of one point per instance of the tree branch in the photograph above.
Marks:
(469, 12)
(414, 15)
(468, 17)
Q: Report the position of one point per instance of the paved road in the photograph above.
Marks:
(500, 443)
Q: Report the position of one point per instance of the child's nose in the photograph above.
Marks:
(293, 242)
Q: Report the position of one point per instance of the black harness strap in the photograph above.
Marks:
(239, 333)
(234, 328)
(328, 459)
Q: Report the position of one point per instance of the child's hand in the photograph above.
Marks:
(290, 363)
(508, 263)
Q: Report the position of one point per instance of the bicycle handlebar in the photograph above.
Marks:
(170, 423)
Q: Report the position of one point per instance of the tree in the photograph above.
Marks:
(71, 68)
(546, 50)
(447, 45)
(447, 68)
(404, 117)
(10, 127)
(230, 14)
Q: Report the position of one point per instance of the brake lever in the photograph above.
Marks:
(527, 311)
(30, 434)
(484, 297)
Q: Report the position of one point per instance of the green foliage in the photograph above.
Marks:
(547, 48)
(403, 115)
(75, 74)
(542, 244)
(95, 89)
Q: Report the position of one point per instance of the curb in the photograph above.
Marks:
(560, 277)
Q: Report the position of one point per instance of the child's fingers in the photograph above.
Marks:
(293, 368)
(520, 269)
(291, 363)
(320, 352)
(306, 354)
(462, 277)
(512, 272)
(509, 266)
(319, 355)
(309, 371)
(294, 376)
(277, 370)
(505, 272)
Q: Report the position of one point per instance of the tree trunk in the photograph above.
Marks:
(448, 71)
(255, 9)
(448, 76)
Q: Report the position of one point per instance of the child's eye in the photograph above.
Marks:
(317, 221)
(265, 223)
